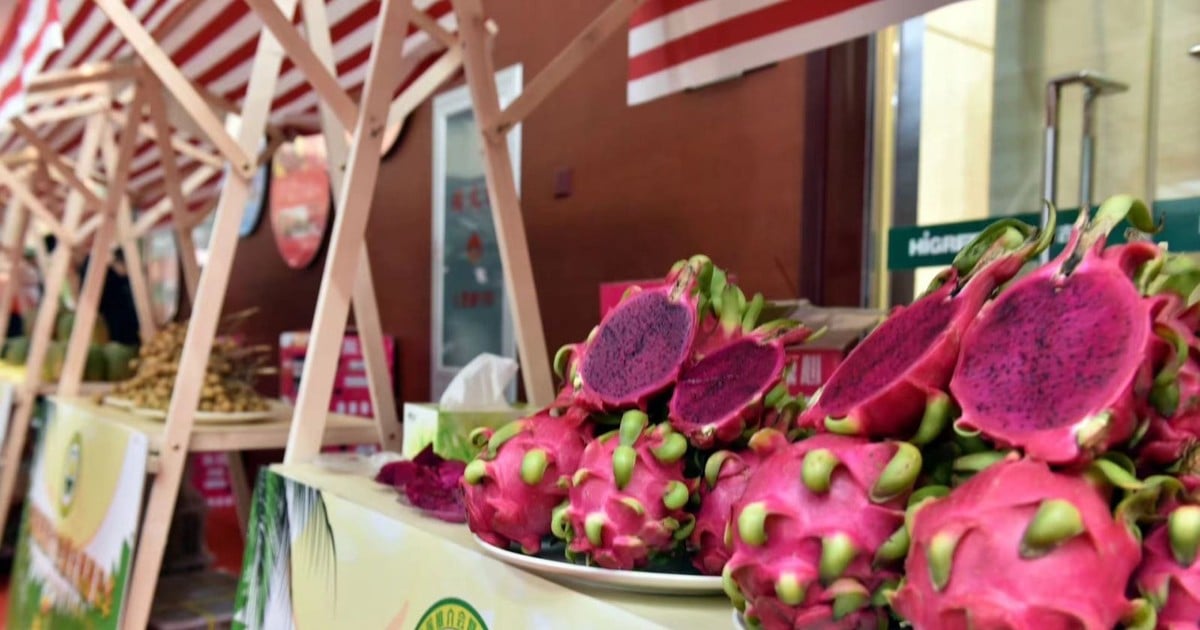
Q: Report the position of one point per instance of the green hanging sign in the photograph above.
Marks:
(913, 246)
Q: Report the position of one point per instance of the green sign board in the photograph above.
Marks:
(913, 246)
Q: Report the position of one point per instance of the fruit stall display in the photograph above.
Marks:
(1008, 451)
(228, 381)
(107, 360)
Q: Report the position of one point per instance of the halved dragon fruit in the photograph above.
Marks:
(893, 383)
(1019, 546)
(639, 347)
(1052, 364)
(627, 499)
(816, 530)
(521, 475)
(726, 474)
(720, 397)
(1170, 576)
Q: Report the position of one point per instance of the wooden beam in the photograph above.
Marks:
(320, 77)
(180, 145)
(55, 162)
(86, 308)
(66, 112)
(33, 204)
(118, 159)
(106, 71)
(613, 18)
(426, 23)
(158, 211)
(88, 227)
(179, 85)
(202, 328)
(43, 326)
(19, 158)
(363, 298)
(425, 85)
(77, 90)
(138, 284)
(506, 206)
(342, 263)
(15, 223)
(158, 116)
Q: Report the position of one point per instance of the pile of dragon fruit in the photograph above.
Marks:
(1003, 453)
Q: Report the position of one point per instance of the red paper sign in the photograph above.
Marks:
(351, 395)
(300, 199)
(810, 368)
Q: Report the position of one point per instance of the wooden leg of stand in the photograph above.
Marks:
(240, 487)
(366, 307)
(43, 327)
(202, 329)
(349, 229)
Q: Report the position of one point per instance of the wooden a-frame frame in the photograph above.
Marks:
(346, 279)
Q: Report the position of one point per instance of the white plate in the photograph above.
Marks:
(635, 581)
(214, 417)
(119, 403)
(739, 622)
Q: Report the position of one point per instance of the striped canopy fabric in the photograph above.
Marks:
(679, 44)
(213, 42)
(30, 32)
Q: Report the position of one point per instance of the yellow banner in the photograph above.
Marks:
(356, 558)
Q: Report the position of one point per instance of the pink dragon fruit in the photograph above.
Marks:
(627, 499)
(639, 347)
(816, 530)
(1055, 364)
(1170, 576)
(522, 474)
(721, 396)
(1018, 546)
(726, 474)
(893, 383)
(1174, 426)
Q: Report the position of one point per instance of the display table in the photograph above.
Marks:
(358, 558)
(224, 437)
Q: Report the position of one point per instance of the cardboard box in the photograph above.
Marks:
(813, 362)
(449, 431)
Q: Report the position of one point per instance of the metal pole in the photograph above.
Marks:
(1096, 85)
(1087, 150)
(1049, 156)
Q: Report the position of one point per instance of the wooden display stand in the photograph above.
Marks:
(355, 154)
(354, 133)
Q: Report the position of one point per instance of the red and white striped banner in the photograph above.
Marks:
(31, 32)
(680, 44)
(213, 42)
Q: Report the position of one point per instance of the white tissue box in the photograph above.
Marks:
(449, 431)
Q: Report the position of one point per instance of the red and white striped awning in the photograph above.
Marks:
(679, 44)
(30, 32)
(213, 43)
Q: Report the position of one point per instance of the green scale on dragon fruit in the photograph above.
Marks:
(1020, 547)
(696, 339)
(1174, 413)
(1169, 576)
(819, 533)
(1056, 364)
(521, 474)
(726, 474)
(628, 499)
(893, 384)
